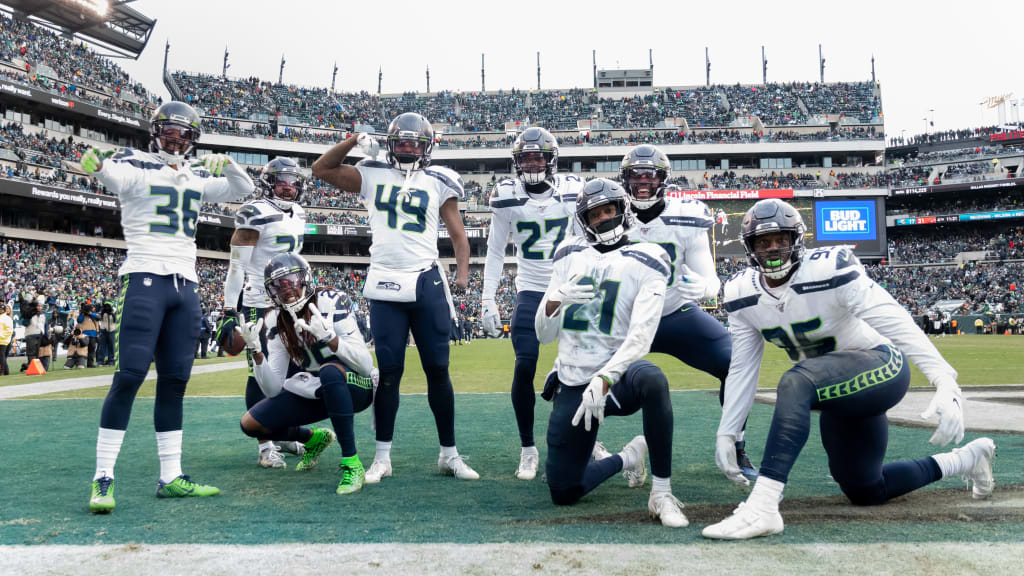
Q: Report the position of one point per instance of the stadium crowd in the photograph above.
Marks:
(951, 135)
(903, 206)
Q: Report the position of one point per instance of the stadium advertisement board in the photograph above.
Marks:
(943, 219)
(960, 187)
(19, 90)
(730, 194)
(845, 220)
(992, 215)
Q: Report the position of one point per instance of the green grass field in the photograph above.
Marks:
(487, 365)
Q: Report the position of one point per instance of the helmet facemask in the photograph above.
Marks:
(644, 184)
(533, 166)
(610, 230)
(282, 189)
(173, 141)
(775, 262)
(291, 289)
(409, 150)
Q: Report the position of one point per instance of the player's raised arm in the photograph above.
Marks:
(230, 181)
(115, 170)
(330, 166)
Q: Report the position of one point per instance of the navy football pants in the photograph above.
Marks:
(429, 318)
(853, 389)
(527, 348)
(571, 471)
(158, 321)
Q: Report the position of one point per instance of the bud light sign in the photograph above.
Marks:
(841, 220)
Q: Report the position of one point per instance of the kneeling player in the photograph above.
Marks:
(847, 337)
(317, 366)
(603, 304)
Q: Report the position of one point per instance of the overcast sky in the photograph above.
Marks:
(939, 56)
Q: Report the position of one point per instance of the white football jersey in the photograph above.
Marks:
(682, 230)
(280, 231)
(278, 370)
(160, 208)
(828, 304)
(537, 227)
(405, 231)
(607, 334)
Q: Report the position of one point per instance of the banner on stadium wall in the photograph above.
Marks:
(960, 187)
(17, 89)
(1011, 137)
(992, 215)
(730, 194)
(351, 230)
(845, 220)
(943, 219)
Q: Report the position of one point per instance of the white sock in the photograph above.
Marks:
(449, 451)
(953, 463)
(531, 450)
(168, 448)
(628, 458)
(766, 494)
(660, 484)
(383, 451)
(264, 446)
(108, 446)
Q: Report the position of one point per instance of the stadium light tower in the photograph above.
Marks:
(821, 65)
(483, 79)
(280, 73)
(428, 78)
(707, 67)
(334, 76)
(224, 70)
(764, 67)
(380, 78)
(538, 70)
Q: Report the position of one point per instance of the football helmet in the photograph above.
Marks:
(767, 217)
(289, 281)
(174, 130)
(278, 176)
(596, 193)
(644, 172)
(535, 155)
(410, 141)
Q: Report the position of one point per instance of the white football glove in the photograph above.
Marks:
(318, 327)
(367, 145)
(690, 284)
(491, 318)
(948, 404)
(725, 458)
(251, 334)
(215, 163)
(573, 293)
(592, 404)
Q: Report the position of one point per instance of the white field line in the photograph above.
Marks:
(35, 389)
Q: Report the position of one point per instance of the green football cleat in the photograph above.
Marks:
(352, 475)
(102, 500)
(183, 487)
(315, 446)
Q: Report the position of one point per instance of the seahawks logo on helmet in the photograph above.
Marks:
(289, 281)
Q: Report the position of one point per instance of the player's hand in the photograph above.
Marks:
(690, 284)
(215, 163)
(225, 334)
(592, 404)
(251, 334)
(93, 159)
(948, 404)
(318, 327)
(367, 144)
(462, 280)
(725, 458)
(491, 318)
(573, 293)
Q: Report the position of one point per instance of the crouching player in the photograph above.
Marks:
(317, 366)
(847, 338)
(603, 304)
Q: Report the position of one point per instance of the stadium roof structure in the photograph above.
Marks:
(121, 29)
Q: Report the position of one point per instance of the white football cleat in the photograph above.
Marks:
(297, 448)
(528, 462)
(272, 458)
(378, 470)
(600, 452)
(979, 474)
(746, 522)
(667, 508)
(454, 466)
(636, 475)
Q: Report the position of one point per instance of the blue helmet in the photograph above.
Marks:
(410, 141)
(767, 217)
(174, 130)
(535, 140)
(281, 171)
(289, 281)
(599, 192)
(642, 163)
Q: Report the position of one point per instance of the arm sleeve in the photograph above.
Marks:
(744, 369)
(235, 185)
(496, 242)
(547, 327)
(643, 324)
(871, 303)
(698, 258)
(352, 348)
(270, 374)
(235, 280)
(121, 177)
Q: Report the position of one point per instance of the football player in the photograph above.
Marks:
(680, 226)
(405, 286)
(603, 305)
(264, 227)
(159, 316)
(849, 341)
(310, 363)
(536, 209)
